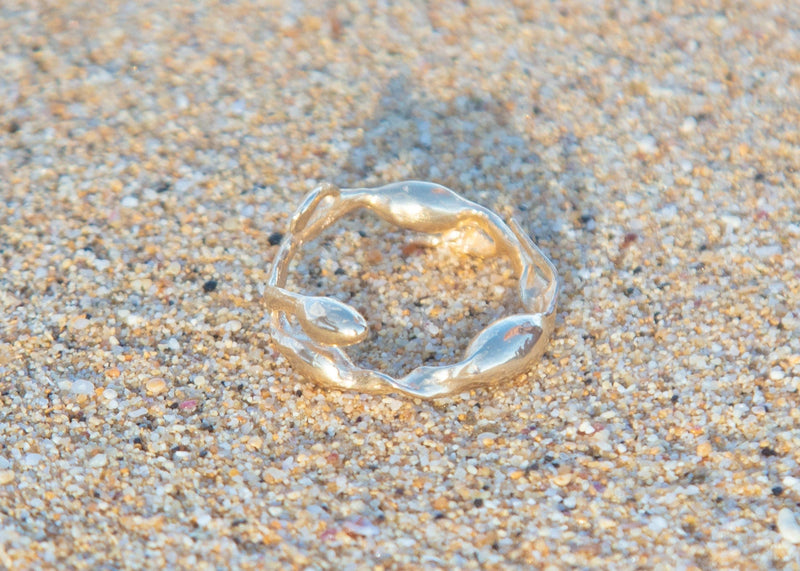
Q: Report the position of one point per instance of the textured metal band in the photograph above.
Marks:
(507, 347)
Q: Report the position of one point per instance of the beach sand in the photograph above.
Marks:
(150, 156)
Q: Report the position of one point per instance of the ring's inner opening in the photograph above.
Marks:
(423, 304)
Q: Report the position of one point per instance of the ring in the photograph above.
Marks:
(309, 330)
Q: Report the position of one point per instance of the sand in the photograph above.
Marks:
(150, 157)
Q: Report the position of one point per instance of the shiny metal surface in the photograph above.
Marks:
(321, 325)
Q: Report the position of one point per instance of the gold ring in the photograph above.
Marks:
(310, 330)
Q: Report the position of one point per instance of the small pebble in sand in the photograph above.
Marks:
(788, 526)
(98, 461)
(82, 387)
(361, 526)
(155, 386)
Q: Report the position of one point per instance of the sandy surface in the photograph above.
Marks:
(146, 156)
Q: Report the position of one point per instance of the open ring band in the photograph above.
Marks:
(505, 348)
